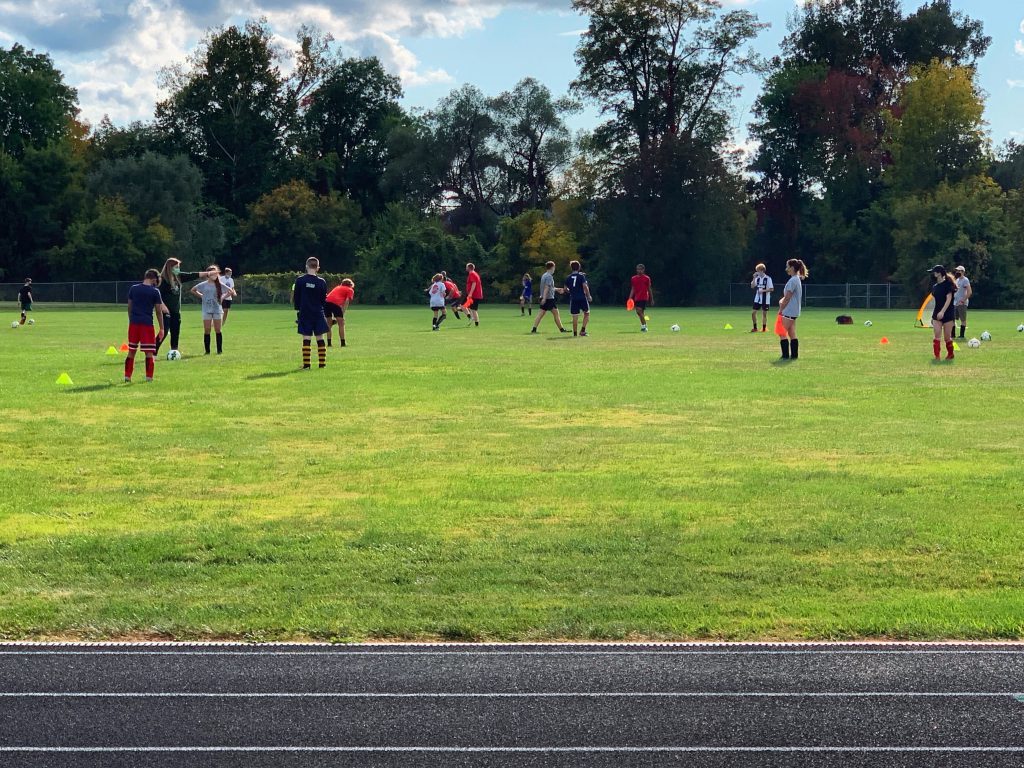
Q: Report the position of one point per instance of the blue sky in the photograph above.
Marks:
(112, 50)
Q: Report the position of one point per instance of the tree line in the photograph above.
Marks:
(872, 162)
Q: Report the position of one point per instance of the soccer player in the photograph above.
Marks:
(226, 302)
(641, 294)
(579, 297)
(526, 297)
(474, 292)
(962, 298)
(763, 287)
(25, 299)
(212, 292)
(789, 307)
(336, 305)
(943, 311)
(453, 295)
(547, 298)
(438, 291)
(143, 299)
(308, 297)
(171, 279)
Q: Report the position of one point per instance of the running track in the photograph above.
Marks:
(215, 706)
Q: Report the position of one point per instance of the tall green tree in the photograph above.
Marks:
(36, 107)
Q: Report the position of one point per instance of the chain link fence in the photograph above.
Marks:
(836, 295)
(104, 292)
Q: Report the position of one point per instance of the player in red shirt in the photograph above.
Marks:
(453, 295)
(336, 305)
(641, 294)
(474, 291)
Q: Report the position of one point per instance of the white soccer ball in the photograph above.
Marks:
(974, 343)
(867, 323)
(174, 355)
(674, 328)
(1020, 328)
(986, 336)
(31, 321)
(15, 324)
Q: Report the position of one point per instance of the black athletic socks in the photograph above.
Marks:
(306, 351)
(329, 343)
(206, 342)
(321, 352)
(794, 349)
(963, 329)
(530, 311)
(784, 343)
(220, 343)
(342, 342)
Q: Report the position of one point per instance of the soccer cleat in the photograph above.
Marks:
(533, 330)
(583, 333)
(305, 366)
(127, 380)
(753, 330)
(764, 329)
(643, 329)
(563, 330)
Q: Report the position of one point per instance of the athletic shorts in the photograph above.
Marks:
(949, 317)
(26, 306)
(454, 301)
(759, 307)
(142, 337)
(476, 303)
(527, 297)
(437, 307)
(641, 305)
(549, 304)
(333, 310)
(226, 303)
(577, 306)
(213, 315)
(312, 325)
(961, 313)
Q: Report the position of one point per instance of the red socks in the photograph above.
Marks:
(936, 347)
(949, 350)
(150, 365)
(129, 366)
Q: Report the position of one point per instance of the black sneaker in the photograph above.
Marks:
(533, 330)
(583, 333)
(563, 330)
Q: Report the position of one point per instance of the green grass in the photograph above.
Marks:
(482, 483)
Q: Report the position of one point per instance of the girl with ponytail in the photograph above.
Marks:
(790, 305)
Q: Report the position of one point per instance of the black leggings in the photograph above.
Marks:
(172, 328)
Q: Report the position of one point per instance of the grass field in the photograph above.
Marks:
(482, 483)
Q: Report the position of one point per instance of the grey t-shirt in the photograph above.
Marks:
(547, 286)
(210, 304)
(794, 286)
(961, 291)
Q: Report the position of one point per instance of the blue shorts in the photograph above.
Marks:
(312, 325)
(578, 305)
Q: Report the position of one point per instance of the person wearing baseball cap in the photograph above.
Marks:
(943, 312)
(962, 297)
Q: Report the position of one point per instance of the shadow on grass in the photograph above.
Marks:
(91, 388)
(273, 374)
(784, 361)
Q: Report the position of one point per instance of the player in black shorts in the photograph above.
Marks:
(308, 297)
(25, 299)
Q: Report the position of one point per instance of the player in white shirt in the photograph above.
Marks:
(225, 303)
(962, 297)
(438, 290)
(763, 287)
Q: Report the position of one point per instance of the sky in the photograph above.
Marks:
(113, 50)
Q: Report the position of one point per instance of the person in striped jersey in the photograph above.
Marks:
(763, 287)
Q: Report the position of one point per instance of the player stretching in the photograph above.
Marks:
(453, 295)
(579, 297)
(308, 297)
(641, 294)
(474, 292)
(336, 306)
(25, 299)
(143, 299)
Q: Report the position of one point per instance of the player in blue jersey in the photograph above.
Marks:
(526, 297)
(143, 300)
(308, 297)
(579, 298)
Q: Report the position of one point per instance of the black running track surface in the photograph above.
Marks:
(520, 705)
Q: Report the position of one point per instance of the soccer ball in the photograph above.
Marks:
(867, 323)
(1020, 328)
(674, 328)
(15, 324)
(31, 321)
(986, 336)
(974, 343)
(174, 355)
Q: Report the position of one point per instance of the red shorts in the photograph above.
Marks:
(142, 336)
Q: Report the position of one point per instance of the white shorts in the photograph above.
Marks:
(213, 315)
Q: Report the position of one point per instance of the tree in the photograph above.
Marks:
(292, 223)
(938, 134)
(525, 243)
(533, 141)
(1008, 166)
(36, 107)
(346, 125)
(162, 189)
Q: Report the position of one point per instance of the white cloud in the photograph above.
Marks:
(573, 33)
(1018, 47)
(1015, 83)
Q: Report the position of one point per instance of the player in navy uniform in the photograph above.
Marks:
(526, 297)
(308, 297)
(25, 299)
(579, 297)
(944, 311)
(144, 299)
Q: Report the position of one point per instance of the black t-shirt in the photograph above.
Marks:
(309, 295)
(25, 294)
(939, 292)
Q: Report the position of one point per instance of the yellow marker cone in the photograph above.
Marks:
(64, 379)
(112, 351)
(647, 318)
(728, 327)
(956, 347)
